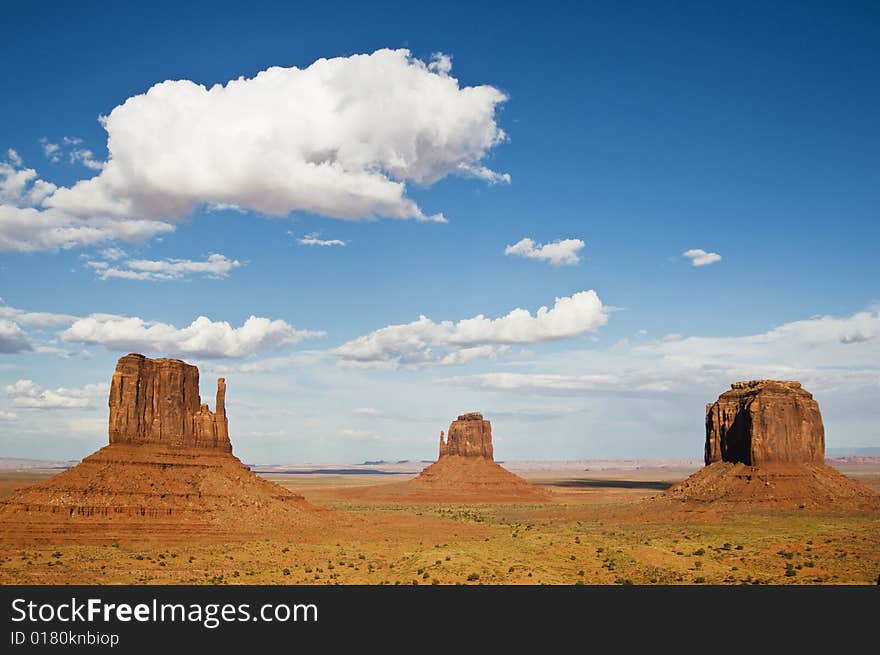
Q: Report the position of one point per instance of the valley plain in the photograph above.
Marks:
(603, 523)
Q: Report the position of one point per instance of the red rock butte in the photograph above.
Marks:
(469, 436)
(765, 422)
(156, 401)
(765, 446)
(168, 473)
(466, 471)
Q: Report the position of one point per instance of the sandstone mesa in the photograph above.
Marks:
(168, 473)
(765, 447)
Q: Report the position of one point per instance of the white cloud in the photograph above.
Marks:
(51, 150)
(440, 63)
(86, 158)
(25, 229)
(700, 257)
(36, 319)
(112, 253)
(26, 394)
(14, 158)
(216, 266)
(19, 186)
(69, 149)
(298, 359)
(12, 338)
(825, 353)
(203, 338)
(314, 240)
(340, 138)
(8, 416)
(367, 411)
(358, 434)
(426, 342)
(505, 381)
(483, 173)
(558, 253)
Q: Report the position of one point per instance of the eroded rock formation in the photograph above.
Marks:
(157, 401)
(765, 448)
(765, 422)
(466, 470)
(168, 472)
(469, 436)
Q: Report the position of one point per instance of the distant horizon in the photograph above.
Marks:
(871, 452)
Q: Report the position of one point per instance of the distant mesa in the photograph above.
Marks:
(465, 472)
(765, 446)
(167, 473)
(465, 469)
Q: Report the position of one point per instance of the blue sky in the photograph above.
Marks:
(643, 131)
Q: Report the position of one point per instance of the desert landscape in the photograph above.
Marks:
(479, 294)
(166, 502)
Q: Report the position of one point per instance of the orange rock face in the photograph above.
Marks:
(168, 473)
(469, 436)
(156, 401)
(765, 448)
(765, 422)
(466, 471)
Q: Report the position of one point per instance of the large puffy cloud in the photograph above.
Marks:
(558, 253)
(25, 393)
(216, 265)
(426, 342)
(202, 338)
(340, 138)
(25, 228)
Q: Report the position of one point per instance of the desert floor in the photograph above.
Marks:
(601, 528)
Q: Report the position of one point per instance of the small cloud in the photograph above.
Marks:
(85, 157)
(558, 253)
(8, 416)
(14, 158)
(216, 266)
(367, 411)
(69, 149)
(359, 434)
(483, 173)
(51, 150)
(112, 253)
(440, 63)
(700, 257)
(314, 240)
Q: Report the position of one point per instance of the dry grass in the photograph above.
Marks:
(590, 535)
